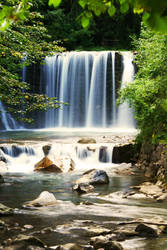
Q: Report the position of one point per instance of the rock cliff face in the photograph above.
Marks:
(153, 161)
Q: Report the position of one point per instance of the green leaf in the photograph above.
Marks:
(85, 22)
(124, 8)
(97, 12)
(82, 3)
(111, 10)
(55, 3)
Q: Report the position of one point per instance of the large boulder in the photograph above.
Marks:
(47, 165)
(93, 177)
(123, 153)
(44, 199)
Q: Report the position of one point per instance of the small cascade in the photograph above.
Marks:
(8, 123)
(23, 158)
(125, 114)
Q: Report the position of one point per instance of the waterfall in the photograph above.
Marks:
(125, 114)
(87, 82)
(8, 123)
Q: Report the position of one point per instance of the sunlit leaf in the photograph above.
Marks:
(55, 3)
(111, 10)
(82, 3)
(85, 21)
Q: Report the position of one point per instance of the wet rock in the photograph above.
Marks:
(83, 188)
(148, 231)
(87, 141)
(123, 153)
(103, 154)
(47, 165)
(44, 199)
(1, 179)
(150, 189)
(4, 210)
(70, 246)
(124, 169)
(162, 197)
(25, 242)
(28, 226)
(105, 242)
(46, 149)
(94, 177)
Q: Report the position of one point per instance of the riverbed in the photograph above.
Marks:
(65, 223)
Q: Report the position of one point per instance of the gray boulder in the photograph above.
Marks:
(94, 177)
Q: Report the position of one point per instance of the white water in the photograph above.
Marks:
(125, 114)
(81, 79)
(84, 80)
(7, 120)
(23, 158)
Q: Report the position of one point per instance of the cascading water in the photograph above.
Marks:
(87, 81)
(125, 114)
(8, 123)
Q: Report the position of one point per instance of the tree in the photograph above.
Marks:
(154, 13)
(24, 43)
(148, 93)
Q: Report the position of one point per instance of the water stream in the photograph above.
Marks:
(68, 218)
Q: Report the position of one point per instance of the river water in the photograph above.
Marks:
(73, 210)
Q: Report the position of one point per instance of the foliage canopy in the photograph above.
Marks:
(154, 13)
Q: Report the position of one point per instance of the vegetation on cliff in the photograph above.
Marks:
(148, 93)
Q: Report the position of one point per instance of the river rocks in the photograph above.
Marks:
(94, 177)
(83, 188)
(124, 169)
(24, 242)
(44, 199)
(148, 231)
(87, 141)
(150, 189)
(4, 210)
(105, 242)
(47, 165)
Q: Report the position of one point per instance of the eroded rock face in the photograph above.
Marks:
(47, 165)
(44, 199)
(94, 177)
